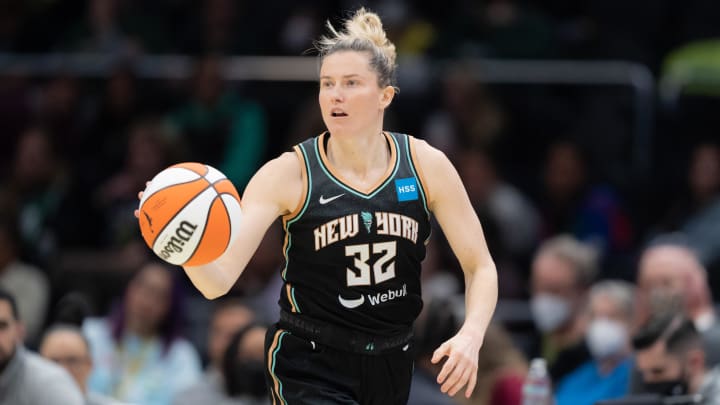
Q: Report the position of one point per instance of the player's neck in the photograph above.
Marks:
(360, 154)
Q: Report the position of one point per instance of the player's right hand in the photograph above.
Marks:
(140, 194)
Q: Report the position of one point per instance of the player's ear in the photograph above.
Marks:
(386, 96)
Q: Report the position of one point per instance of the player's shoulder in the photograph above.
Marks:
(285, 166)
(426, 154)
(279, 182)
(434, 168)
(289, 160)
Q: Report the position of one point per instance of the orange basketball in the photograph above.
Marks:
(189, 214)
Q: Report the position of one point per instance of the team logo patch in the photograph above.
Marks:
(406, 189)
(367, 220)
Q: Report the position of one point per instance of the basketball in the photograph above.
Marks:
(189, 214)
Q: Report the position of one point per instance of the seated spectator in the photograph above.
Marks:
(244, 367)
(68, 347)
(138, 352)
(670, 277)
(517, 219)
(37, 190)
(27, 282)
(25, 377)
(607, 375)
(228, 318)
(703, 181)
(562, 271)
(571, 203)
(671, 359)
(703, 215)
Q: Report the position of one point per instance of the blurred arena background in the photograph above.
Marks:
(592, 118)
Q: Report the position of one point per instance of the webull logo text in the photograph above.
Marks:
(183, 233)
(387, 296)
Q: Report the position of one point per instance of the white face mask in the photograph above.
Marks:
(549, 311)
(606, 337)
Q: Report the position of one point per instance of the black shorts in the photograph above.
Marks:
(302, 371)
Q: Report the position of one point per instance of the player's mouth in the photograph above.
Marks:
(336, 112)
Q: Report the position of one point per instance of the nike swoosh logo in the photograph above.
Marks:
(351, 303)
(324, 200)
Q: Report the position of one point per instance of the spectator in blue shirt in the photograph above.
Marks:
(138, 353)
(607, 375)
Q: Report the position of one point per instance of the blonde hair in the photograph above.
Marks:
(363, 32)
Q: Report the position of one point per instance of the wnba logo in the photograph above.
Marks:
(183, 233)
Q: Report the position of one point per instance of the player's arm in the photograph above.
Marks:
(273, 191)
(449, 202)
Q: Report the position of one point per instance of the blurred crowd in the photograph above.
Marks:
(614, 273)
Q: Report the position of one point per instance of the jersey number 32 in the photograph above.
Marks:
(383, 268)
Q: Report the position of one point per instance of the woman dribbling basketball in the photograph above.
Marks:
(355, 203)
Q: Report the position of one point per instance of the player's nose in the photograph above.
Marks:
(337, 96)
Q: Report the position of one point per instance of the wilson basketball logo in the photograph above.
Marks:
(182, 235)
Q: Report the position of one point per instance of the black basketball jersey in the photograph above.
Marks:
(352, 257)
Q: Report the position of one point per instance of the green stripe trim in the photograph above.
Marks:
(350, 189)
(297, 217)
(272, 367)
(419, 183)
(417, 179)
(292, 293)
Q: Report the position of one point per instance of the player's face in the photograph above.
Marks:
(350, 98)
(9, 334)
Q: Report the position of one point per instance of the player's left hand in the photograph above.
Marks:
(460, 368)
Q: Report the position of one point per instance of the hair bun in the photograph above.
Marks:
(363, 32)
(366, 24)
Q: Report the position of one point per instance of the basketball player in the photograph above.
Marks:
(355, 203)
